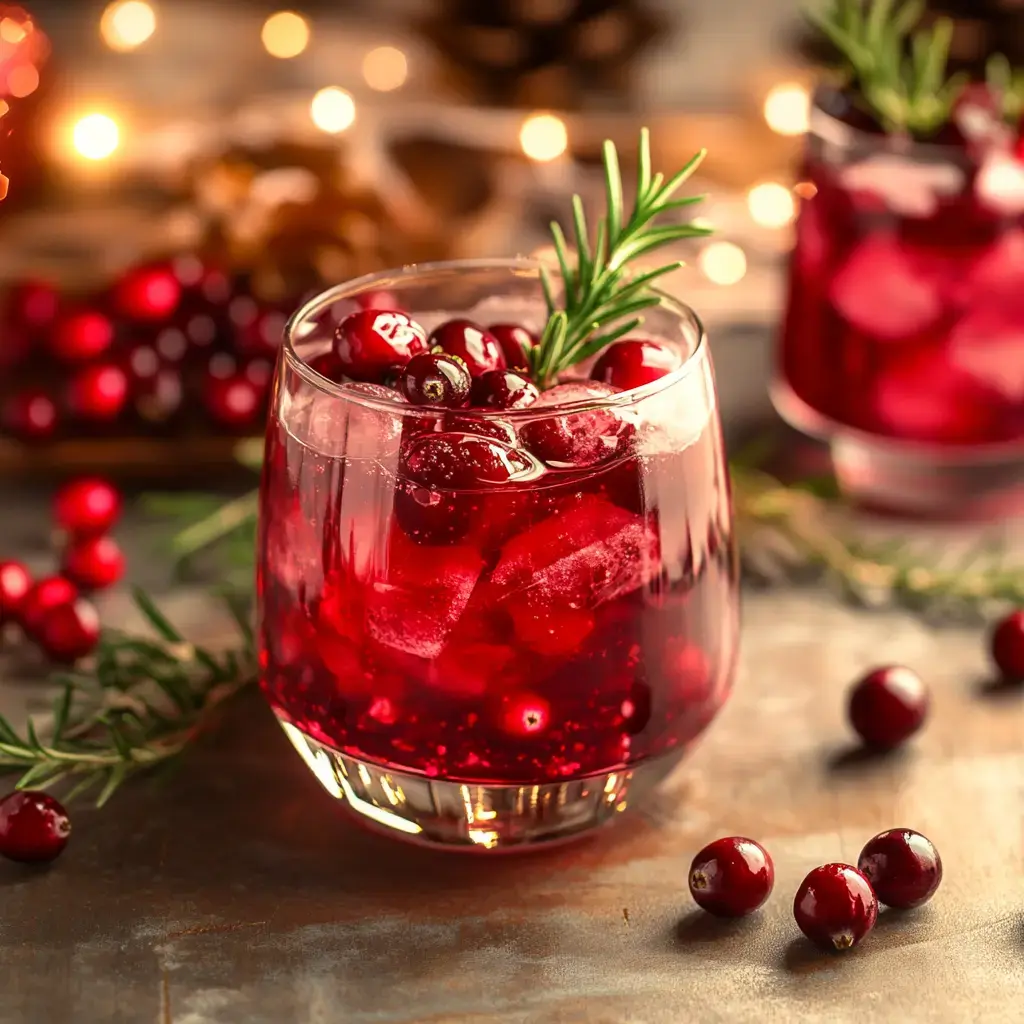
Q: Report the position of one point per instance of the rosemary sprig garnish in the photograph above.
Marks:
(1007, 85)
(601, 298)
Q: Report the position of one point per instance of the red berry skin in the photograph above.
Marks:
(732, 877)
(69, 632)
(887, 706)
(81, 335)
(45, 595)
(835, 906)
(467, 423)
(632, 363)
(30, 415)
(94, 563)
(516, 343)
(435, 379)
(148, 293)
(1007, 646)
(34, 827)
(903, 867)
(234, 402)
(15, 583)
(98, 393)
(503, 389)
(87, 507)
(32, 305)
(476, 347)
(369, 341)
(327, 365)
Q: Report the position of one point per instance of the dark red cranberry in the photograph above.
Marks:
(15, 583)
(835, 906)
(98, 393)
(87, 507)
(30, 415)
(34, 828)
(148, 292)
(633, 362)
(477, 348)
(81, 335)
(504, 389)
(327, 365)
(435, 379)
(467, 423)
(94, 563)
(17, 344)
(1007, 645)
(516, 343)
(887, 706)
(45, 595)
(370, 341)
(32, 305)
(392, 375)
(732, 877)
(171, 345)
(69, 632)
(903, 867)
(234, 402)
(261, 334)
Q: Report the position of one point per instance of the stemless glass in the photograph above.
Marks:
(903, 345)
(492, 665)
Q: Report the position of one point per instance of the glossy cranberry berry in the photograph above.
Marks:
(1007, 646)
(516, 343)
(149, 293)
(15, 583)
(467, 423)
(476, 347)
(94, 563)
(903, 867)
(370, 341)
(732, 877)
(81, 335)
(87, 507)
(69, 632)
(633, 362)
(32, 305)
(45, 595)
(887, 706)
(503, 389)
(835, 906)
(30, 415)
(34, 827)
(98, 393)
(435, 379)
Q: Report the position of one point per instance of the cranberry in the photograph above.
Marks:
(148, 292)
(30, 415)
(45, 595)
(467, 423)
(98, 393)
(437, 379)
(504, 389)
(15, 583)
(87, 507)
(887, 706)
(171, 345)
(81, 335)
(524, 715)
(260, 334)
(835, 906)
(1007, 645)
(327, 365)
(732, 877)
(94, 563)
(477, 348)
(231, 398)
(69, 631)
(634, 362)
(903, 867)
(369, 341)
(32, 305)
(516, 343)
(34, 827)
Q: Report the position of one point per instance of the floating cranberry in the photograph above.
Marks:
(45, 595)
(30, 415)
(467, 423)
(435, 379)
(98, 393)
(369, 341)
(94, 563)
(504, 389)
(87, 507)
(34, 827)
(15, 583)
(148, 292)
(516, 343)
(1007, 645)
(81, 335)
(524, 715)
(32, 305)
(835, 906)
(632, 363)
(328, 365)
(477, 348)
(69, 631)
(887, 706)
(732, 877)
(903, 867)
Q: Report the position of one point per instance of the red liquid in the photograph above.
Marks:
(586, 621)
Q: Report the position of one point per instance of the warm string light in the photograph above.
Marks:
(787, 108)
(96, 136)
(127, 24)
(543, 137)
(333, 110)
(723, 263)
(385, 69)
(285, 34)
(771, 204)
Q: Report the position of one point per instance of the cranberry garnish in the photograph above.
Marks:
(370, 341)
(94, 563)
(467, 423)
(633, 362)
(732, 877)
(87, 507)
(98, 393)
(81, 335)
(504, 389)
(903, 867)
(34, 828)
(148, 293)
(516, 343)
(477, 348)
(15, 583)
(30, 415)
(45, 595)
(32, 305)
(436, 379)
(887, 706)
(69, 631)
(1007, 646)
(835, 906)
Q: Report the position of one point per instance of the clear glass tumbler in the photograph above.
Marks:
(492, 665)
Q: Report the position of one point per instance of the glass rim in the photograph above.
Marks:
(346, 392)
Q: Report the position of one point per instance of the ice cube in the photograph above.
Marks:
(346, 428)
(988, 346)
(888, 290)
(546, 627)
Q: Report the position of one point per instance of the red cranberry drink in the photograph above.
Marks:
(497, 603)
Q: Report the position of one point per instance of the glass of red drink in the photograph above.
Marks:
(903, 343)
(471, 644)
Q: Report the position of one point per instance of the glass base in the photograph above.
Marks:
(473, 817)
(977, 482)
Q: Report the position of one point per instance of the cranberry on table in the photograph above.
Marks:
(30, 415)
(504, 389)
(94, 563)
(45, 595)
(634, 362)
(887, 706)
(903, 867)
(34, 827)
(148, 292)
(261, 334)
(732, 877)
(232, 399)
(69, 632)
(98, 393)
(87, 506)
(516, 343)
(835, 906)
(435, 379)
(15, 583)
(476, 347)
(1007, 646)
(370, 341)
(81, 335)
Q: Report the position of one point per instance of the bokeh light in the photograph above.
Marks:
(771, 204)
(385, 68)
(285, 34)
(127, 24)
(787, 108)
(332, 110)
(723, 263)
(543, 137)
(22, 81)
(96, 136)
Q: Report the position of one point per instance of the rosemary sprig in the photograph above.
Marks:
(1007, 85)
(601, 297)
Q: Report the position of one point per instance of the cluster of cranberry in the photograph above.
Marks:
(51, 611)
